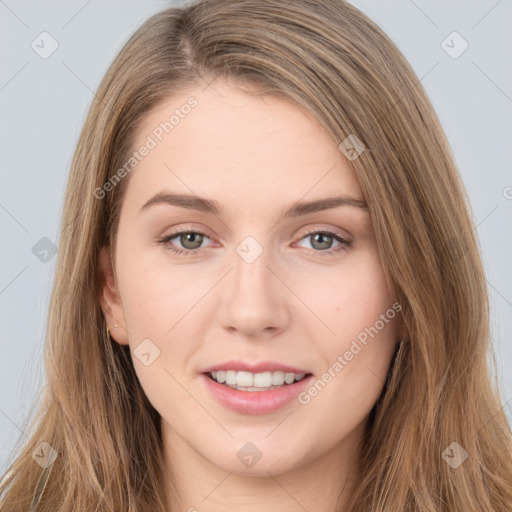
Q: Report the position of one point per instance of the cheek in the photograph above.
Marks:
(157, 306)
(352, 379)
(359, 309)
(156, 292)
(352, 298)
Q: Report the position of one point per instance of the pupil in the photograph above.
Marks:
(325, 245)
(189, 237)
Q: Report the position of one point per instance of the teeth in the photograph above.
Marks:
(231, 377)
(277, 378)
(289, 378)
(255, 380)
(242, 379)
(260, 380)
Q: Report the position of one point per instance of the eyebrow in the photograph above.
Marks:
(213, 207)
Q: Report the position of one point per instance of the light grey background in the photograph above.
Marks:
(43, 103)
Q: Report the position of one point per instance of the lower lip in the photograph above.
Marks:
(255, 402)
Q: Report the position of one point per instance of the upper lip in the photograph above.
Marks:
(263, 366)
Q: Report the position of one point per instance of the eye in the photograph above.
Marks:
(192, 240)
(321, 240)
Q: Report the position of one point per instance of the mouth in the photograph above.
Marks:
(255, 387)
(256, 382)
(255, 393)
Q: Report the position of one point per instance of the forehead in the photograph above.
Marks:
(231, 144)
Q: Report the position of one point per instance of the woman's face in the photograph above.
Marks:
(264, 288)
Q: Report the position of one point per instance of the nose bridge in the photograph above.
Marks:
(252, 278)
(251, 267)
(251, 299)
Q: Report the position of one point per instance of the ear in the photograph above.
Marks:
(110, 300)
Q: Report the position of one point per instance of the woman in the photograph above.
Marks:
(199, 355)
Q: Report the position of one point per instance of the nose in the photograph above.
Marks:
(254, 302)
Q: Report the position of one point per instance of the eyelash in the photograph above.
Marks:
(344, 243)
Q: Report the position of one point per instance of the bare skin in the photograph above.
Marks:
(295, 303)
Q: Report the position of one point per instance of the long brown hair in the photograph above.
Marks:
(439, 403)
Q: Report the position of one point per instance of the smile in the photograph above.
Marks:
(254, 393)
(248, 381)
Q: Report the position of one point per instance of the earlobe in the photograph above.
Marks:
(110, 300)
